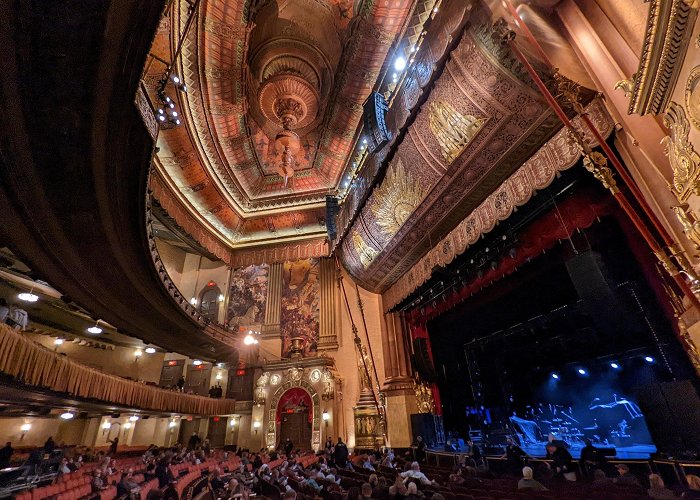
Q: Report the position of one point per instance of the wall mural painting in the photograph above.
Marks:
(300, 305)
(246, 305)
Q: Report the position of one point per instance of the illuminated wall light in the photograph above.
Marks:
(106, 425)
(95, 330)
(399, 63)
(25, 427)
(58, 342)
(193, 301)
(67, 415)
(172, 424)
(127, 425)
(196, 362)
(150, 350)
(221, 297)
(133, 418)
(219, 376)
(138, 353)
(233, 422)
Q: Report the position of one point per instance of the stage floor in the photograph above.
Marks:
(634, 452)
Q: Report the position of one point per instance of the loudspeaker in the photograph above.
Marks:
(421, 360)
(672, 414)
(332, 210)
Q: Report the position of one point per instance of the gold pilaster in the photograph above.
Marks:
(273, 307)
(329, 305)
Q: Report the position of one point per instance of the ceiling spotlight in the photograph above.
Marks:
(58, 342)
(150, 350)
(176, 79)
(399, 63)
(648, 359)
(196, 362)
(95, 329)
(555, 376)
(581, 371)
(28, 297)
(67, 415)
(615, 366)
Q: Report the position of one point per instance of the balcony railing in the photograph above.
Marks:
(35, 365)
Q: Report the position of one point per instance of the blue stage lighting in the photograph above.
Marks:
(614, 365)
(555, 376)
(648, 359)
(582, 371)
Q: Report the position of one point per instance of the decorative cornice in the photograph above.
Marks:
(669, 28)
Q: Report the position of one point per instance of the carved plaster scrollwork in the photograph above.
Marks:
(668, 31)
(684, 160)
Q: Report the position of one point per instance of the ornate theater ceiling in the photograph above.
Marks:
(272, 110)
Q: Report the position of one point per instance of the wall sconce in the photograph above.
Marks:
(106, 427)
(219, 376)
(133, 418)
(127, 426)
(256, 426)
(233, 422)
(221, 297)
(193, 301)
(24, 428)
(172, 424)
(326, 417)
(138, 353)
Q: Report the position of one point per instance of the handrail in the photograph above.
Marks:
(33, 364)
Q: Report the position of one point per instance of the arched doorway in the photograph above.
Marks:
(294, 417)
(209, 302)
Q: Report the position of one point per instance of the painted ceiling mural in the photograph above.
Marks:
(272, 110)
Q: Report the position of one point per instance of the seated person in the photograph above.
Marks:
(127, 486)
(415, 473)
(693, 490)
(528, 483)
(657, 488)
(600, 480)
(626, 478)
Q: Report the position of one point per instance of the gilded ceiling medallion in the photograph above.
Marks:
(366, 253)
(692, 96)
(396, 199)
(452, 130)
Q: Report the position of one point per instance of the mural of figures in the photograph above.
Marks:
(300, 305)
(248, 295)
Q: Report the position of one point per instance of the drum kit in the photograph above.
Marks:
(565, 429)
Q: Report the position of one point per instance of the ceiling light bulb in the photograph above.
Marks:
(58, 342)
(28, 297)
(196, 362)
(176, 79)
(150, 350)
(161, 118)
(67, 415)
(400, 63)
(95, 330)
(107, 425)
(25, 427)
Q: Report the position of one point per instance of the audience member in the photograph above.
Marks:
(693, 490)
(6, 455)
(415, 473)
(626, 478)
(657, 488)
(528, 483)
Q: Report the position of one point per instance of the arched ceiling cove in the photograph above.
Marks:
(272, 111)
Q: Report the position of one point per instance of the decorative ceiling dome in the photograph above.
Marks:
(289, 101)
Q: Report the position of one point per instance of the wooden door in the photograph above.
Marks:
(217, 432)
(296, 426)
(198, 379)
(171, 372)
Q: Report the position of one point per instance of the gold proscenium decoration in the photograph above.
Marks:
(452, 130)
(396, 199)
(365, 252)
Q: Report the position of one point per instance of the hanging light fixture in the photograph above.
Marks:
(29, 296)
(95, 330)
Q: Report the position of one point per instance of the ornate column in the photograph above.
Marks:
(369, 431)
(329, 305)
(399, 388)
(273, 306)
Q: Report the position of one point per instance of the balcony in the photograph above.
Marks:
(31, 364)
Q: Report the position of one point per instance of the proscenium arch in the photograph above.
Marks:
(273, 431)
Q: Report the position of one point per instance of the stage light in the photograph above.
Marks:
(614, 365)
(581, 371)
(648, 359)
(67, 415)
(555, 376)
(399, 63)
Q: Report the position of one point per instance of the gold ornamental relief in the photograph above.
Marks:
(365, 252)
(685, 161)
(396, 199)
(452, 130)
